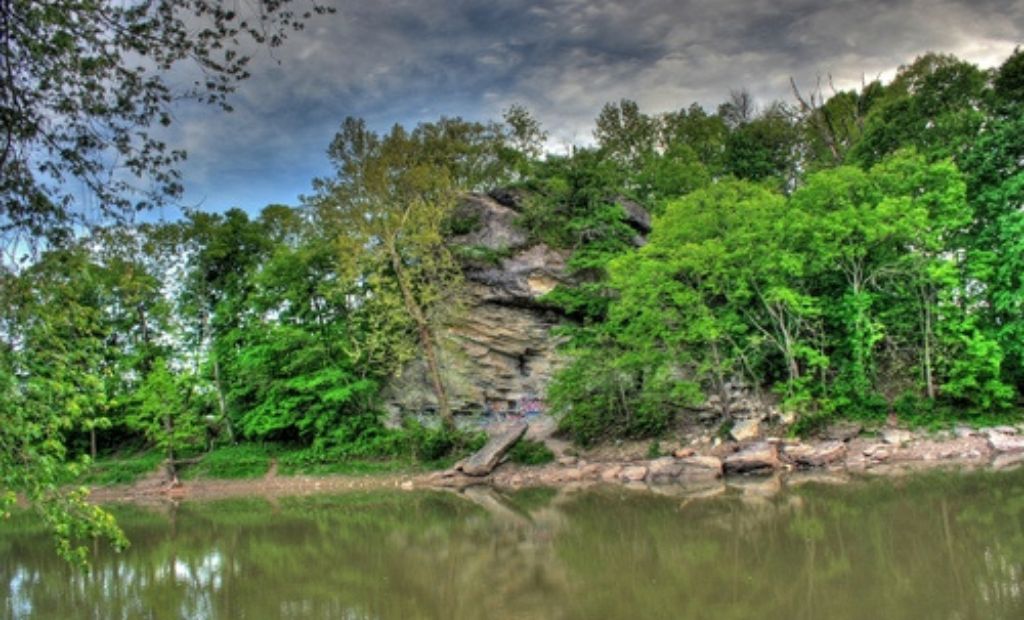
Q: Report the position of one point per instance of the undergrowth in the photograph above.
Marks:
(121, 468)
(530, 452)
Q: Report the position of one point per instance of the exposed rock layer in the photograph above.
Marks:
(498, 353)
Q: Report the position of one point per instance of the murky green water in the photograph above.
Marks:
(933, 547)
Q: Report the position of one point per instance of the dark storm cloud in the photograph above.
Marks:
(406, 61)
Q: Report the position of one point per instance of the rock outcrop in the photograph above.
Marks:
(498, 353)
(740, 403)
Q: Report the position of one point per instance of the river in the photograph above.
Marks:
(930, 546)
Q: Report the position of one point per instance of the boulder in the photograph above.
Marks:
(633, 473)
(878, 453)
(636, 215)
(896, 436)
(963, 432)
(572, 474)
(787, 418)
(1009, 460)
(611, 474)
(499, 353)
(688, 469)
(746, 430)
(487, 458)
(664, 469)
(700, 468)
(510, 197)
(814, 455)
(757, 458)
(1003, 442)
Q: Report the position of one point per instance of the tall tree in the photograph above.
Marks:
(387, 205)
(626, 134)
(933, 105)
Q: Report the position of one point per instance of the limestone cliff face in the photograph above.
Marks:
(498, 354)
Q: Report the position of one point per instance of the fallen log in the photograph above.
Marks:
(488, 457)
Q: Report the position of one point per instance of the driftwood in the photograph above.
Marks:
(488, 457)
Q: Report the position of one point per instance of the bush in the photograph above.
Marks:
(378, 449)
(530, 452)
(434, 444)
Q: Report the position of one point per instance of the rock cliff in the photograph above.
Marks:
(498, 353)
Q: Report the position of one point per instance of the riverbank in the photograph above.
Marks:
(695, 467)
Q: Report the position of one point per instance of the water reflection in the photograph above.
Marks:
(937, 546)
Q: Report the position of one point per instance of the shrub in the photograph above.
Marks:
(530, 452)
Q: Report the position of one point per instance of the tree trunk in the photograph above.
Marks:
(222, 405)
(172, 470)
(929, 382)
(723, 393)
(92, 443)
(426, 338)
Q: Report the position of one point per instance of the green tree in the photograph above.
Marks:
(702, 133)
(995, 183)
(763, 147)
(221, 253)
(712, 295)
(933, 105)
(53, 385)
(305, 367)
(86, 82)
(387, 205)
(626, 134)
(163, 415)
(525, 138)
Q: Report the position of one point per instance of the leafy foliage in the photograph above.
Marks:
(530, 452)
(85, 84)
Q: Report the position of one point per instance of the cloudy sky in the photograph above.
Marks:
(405, 61)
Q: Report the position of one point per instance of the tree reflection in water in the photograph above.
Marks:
(932, 546)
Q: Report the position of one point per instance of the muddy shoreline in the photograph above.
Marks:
(766, 463)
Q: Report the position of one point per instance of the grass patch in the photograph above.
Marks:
(413, 448)
(247, 460)
(298, 464)
(121, 469)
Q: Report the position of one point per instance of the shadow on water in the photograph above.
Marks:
(934, 546)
